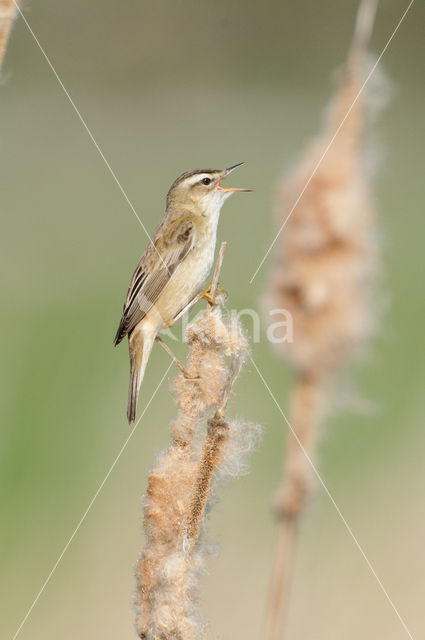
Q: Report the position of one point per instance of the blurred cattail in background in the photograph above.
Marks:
(181, 481)
(326, 266)
(7, 15)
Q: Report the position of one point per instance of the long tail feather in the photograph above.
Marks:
(140, 345)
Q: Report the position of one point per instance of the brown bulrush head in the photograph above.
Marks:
(8, 14)
(180, 481)
(327, 261)
(326, 267)
(327, 258)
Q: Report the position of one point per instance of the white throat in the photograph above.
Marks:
(213, 206)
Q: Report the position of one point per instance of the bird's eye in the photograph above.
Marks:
(206, 180)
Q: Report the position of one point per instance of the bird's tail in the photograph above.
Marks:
(140, 345)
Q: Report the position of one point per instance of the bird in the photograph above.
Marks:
(173, 269)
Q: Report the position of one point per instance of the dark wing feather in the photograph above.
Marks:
(152, 275)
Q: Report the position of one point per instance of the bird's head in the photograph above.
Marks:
(201, 189)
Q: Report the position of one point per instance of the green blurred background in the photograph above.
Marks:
(167, 86)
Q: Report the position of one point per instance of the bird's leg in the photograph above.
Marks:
(206, 294)
(181, 366)
(185, 309)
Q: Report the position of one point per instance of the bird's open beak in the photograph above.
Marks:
(226, 173)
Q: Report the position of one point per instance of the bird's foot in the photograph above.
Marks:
(185, 372)
(188, 375)
(209, 298)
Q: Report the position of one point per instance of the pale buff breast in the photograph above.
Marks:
(187, 280)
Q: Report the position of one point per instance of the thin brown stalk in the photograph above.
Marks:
(8, 13)
(326, 262)
(217, 271)
(365, 20)
(182, 479)
(293, 494)
(217, 434)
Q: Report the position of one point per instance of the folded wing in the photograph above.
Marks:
(153, 273)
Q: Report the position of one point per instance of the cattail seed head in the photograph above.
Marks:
(183, 481)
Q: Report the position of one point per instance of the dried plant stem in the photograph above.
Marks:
(326, 262)
(306, 411)
(7, 15)
(216, 435)
(216, 275)
(184, 476)
(280, 578)
(293, 494)
(365, 20)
